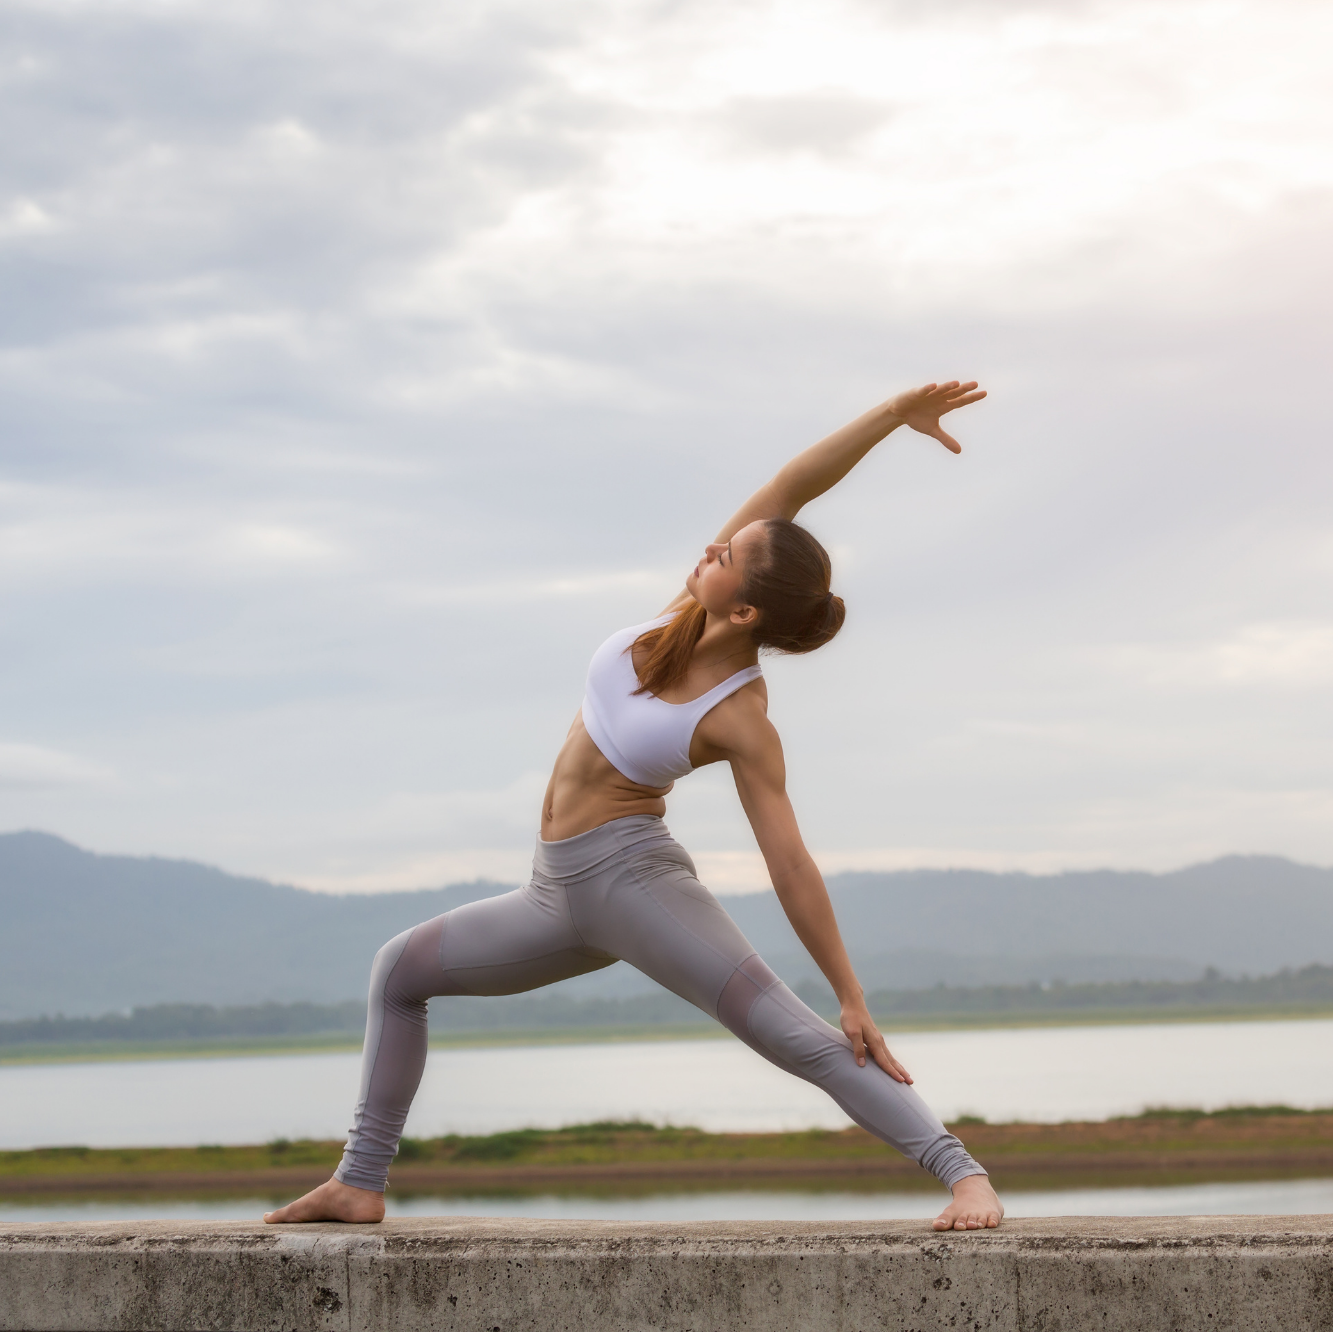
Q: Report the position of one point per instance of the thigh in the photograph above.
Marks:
(518, 941)
(656, 915)
(669, 926)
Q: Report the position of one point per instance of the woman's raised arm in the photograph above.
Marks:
(823, 465)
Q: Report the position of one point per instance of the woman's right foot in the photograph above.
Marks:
(333, 1201)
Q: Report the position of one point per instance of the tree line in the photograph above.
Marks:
(1307, 989)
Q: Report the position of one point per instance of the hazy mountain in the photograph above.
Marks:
(83, 933)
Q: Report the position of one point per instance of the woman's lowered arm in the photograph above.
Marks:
(823, 465)
(757, 764)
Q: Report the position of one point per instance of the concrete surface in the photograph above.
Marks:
(492, 1275)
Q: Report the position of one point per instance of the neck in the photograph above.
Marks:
(723, 642)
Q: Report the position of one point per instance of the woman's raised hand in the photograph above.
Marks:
(859, 1028)
(921, 408)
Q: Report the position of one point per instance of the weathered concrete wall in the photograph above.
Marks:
(481, 1275)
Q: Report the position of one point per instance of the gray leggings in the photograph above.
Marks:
(624, 890)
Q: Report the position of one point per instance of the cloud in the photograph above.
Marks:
(36, 768)
(828, 123)
(1257, 655)
(361, 369)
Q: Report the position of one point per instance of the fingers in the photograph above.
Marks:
(887, 1062)
(865, 1038)
(895, 1070)
(955, 392)
(947, 440)
(949, 397)
(880, 1050)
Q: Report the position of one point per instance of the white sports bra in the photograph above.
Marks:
(642, 736)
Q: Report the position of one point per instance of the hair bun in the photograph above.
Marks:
(835, 612)
(788, 584)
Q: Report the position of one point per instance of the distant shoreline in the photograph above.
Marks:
(350, 1042)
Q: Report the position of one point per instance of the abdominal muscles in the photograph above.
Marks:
(585, 791)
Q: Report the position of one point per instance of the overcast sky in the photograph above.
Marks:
(364, 365)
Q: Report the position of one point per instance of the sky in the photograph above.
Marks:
(362, 366)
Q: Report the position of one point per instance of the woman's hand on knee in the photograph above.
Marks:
(859, 1028)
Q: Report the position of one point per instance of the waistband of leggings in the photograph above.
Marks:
(586, 853)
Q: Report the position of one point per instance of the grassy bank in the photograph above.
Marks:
(1156, 1148)
(224, 1047)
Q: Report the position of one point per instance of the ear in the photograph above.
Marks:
(745, 615)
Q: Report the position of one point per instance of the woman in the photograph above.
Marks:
(609, 882)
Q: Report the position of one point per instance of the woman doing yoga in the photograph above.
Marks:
(608, 880)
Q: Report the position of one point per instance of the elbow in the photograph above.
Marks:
(793, 871)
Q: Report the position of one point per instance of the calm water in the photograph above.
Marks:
(1285, 1198)
(1038, 1075)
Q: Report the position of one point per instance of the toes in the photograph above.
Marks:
(948, 1220)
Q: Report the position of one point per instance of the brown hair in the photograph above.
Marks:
(788, 584)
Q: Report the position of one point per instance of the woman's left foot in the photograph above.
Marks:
(975, 1206)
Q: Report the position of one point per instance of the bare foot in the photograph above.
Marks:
(333, 1201)
(975, 1206)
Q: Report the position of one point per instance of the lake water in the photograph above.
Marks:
(1042, 1074)
(1283, 1198)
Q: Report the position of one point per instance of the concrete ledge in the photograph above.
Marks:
(485, 1275)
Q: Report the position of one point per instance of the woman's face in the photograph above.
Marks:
(716, 581)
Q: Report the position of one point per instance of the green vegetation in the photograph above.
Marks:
(1304, 990)
(187, 1022)
(345, 1042)
(1187, 1115)
(1159, 1146)
(202, 1024)
(602, 1143)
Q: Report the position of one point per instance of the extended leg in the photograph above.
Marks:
(764, 1013)
(662, 920)
(504, 945)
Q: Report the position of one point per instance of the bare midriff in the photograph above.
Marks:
(585, 791)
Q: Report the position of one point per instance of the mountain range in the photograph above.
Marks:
(82, 933)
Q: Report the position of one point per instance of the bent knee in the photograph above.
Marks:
(391, 952)
(386, 961)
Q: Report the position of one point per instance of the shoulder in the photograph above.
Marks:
(739, 727)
